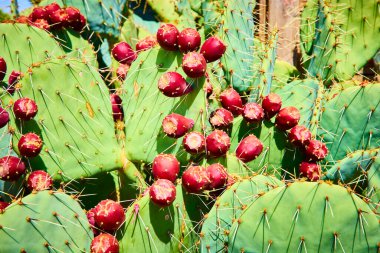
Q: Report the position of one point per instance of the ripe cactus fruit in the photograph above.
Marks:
(122, 71)
(231, 100)
(310, 170)
(253, 113)
(167, 37)
(11, 168)
(162, 192)
(25, 108)
(117, 108)
(3, 205)
(41, 24)
(50, 9)
(299, 136)
(39, 180)
(172, 84)
(123, 53)
(73, 15)
(221, 118)
(4, 117)
(316, 150)
(195, 179)
(104, 243)
(59, 19)
(287, 118)
(249, 148)
(91, 219)
(3, 68)
(165, 166)
(189, 40)
(194, 64)
(30, 145)
(217, 143)
(217, 175)
(38, 12)
(13, 79)
(271, 104)
(109, 215)
(175, 125)
(194, 142)
(146, 43)
(213, 49)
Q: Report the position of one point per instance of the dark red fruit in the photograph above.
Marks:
(122, 71)
(3, 205)
(310, 170)
(39, 180)
(11, 168)
(287, 118)
(208, 88)
(25, 108)
(73, 16)
(249, 148)
(194, 142)
(218, 176)
(109, 215)
(172, 84)
(176, 125)
(271, 105)
(104, 243)
(79, 25)
(41, 24)
(194, 65)
(117, 107)
(165, 166)
(3, 69)
(146, 43)
(59, 19)
(195, 179)
(217, 143)
(38, 12)
(167, 37)
(162, 192)
(4, 117)
(231, 100)
(123, 53)
(30, 145)
(221, 118)
(213, 49)
(316, 150)
(50, 9)
(253, 113)
(189, 40)
(299, 136)
(13, 79)
(91, 219)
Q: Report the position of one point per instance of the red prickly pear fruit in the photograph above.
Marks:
(123, 53)
(25, 108)
(13, 79)
(79, 25)
(50, 9)
(253, 113)
(213, 49)
(316, 150)
(91, 219)
(165, 166)
(287, 118)
(41, 24)
(73, 16)
(194, 65)
(162, 192)
(4, 117)
(167, 37)
(3, 68)
(59, 19)
(189, 40)
(217, 143)
(249, 148)
(231, 100)
(122, 71)
(146, 43)
(38, 12)
(310, 170)
(218, 176)
(176, 125)
(109, 215)
(11, 168)
(30, 145)
(3, 205)
(194, 142)
(104, 243)
(271, 104)
(22, 20)
(221, 118)
(39, 180)
(172, 84)
(195, 179)
(117, 108)
(299, 136)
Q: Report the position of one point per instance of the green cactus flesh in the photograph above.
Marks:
(306, 217)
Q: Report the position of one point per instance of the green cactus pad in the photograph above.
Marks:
(74, 120)
(228, 208)
(45, 222)
(283, 74)
(306, 217)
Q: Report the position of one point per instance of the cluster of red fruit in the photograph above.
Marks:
(53, 17)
